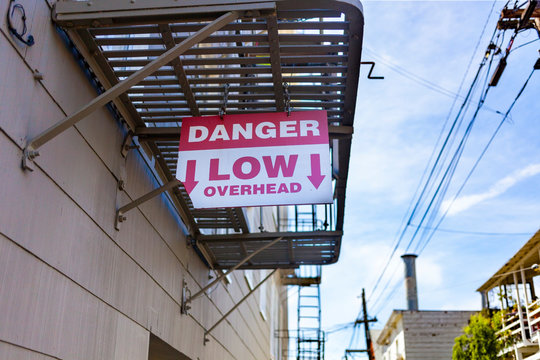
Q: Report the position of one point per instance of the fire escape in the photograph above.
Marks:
(310, 337)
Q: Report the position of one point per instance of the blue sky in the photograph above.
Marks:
(396, 127)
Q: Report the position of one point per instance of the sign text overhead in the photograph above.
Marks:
(256, 159)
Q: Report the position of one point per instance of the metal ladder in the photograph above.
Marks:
(310, 337)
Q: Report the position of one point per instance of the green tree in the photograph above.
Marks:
(478, 341)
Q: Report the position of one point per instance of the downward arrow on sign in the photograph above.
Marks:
(190, 182)
(316, 177)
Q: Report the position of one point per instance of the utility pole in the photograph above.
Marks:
(516, 19)
(365, 321)
(369, 345)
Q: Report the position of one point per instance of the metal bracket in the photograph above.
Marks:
(372, 63)
(223, 109)
(287, 96)
(186, 294)
(127, 143)
(29, 154)
(120, 217)
(206, 339)
(187, 300)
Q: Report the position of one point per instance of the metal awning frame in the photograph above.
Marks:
(332, 85)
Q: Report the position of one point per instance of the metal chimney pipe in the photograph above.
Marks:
(410, 281)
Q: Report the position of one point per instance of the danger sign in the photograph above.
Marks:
(255, 159)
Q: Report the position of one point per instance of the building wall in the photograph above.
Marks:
(420, 335)
(393, 346)
(71, 286)
(429, 335)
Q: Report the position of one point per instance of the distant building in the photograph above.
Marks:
(418, 334)
(514, 284)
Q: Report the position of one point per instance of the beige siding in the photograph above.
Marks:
(72, 287)
(420, 335)
(429, 335)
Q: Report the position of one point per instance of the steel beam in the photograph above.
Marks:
(179, 71)
(30, 151)
(275, 61)
(319, 235)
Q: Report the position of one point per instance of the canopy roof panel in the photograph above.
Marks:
(278, 55)
(527, 256)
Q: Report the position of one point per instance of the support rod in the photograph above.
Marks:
(132, 80)
(275, 60)
(124, 209)
(238, 304)
(520, 312)
(242, 262)
(524, 282)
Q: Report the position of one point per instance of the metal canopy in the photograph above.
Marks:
(310, 47)
(292, 250)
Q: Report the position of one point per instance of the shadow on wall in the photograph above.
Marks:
(160, 350)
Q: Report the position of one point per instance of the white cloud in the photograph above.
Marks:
(429, 273)
(465, 202)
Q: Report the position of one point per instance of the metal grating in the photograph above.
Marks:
(294, 249)
(312, 47)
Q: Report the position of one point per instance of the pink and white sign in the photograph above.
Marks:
(256, 159)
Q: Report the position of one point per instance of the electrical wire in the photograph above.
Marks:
(428, 236)
(436, 200)
(479, 233)
(447, 141)
(420, 80)
(339, 327)
(390, 295)
(486, 147)
(444, 183)
(431, 174)
(525, 44)
(29, 41)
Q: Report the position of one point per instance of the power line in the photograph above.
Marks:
(456, 124)
(427, 238)
(444, 183)
(420, 80)
(481, 156)
(433, 170)
(525, 44)
(479, 233)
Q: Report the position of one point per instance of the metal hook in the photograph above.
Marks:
(372, 64)
(287, 98)
(223, 109)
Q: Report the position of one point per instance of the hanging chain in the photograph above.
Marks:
(223, 109)
(287, 98)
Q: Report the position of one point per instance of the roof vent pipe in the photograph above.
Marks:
(410, 281)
